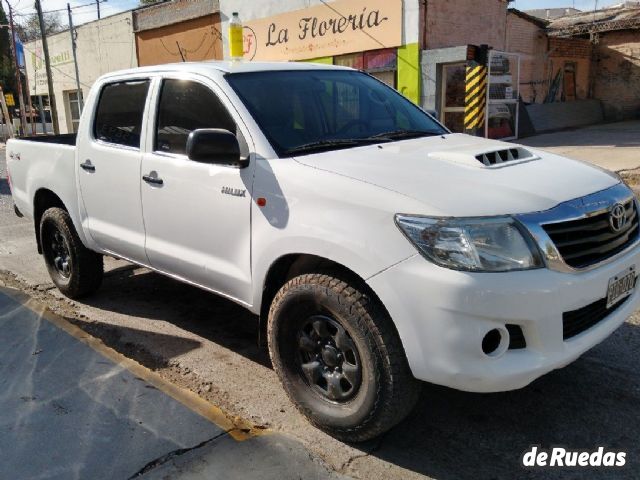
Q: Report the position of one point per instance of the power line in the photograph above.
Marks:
(85, 5)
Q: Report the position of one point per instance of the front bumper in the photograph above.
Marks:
(442, 316)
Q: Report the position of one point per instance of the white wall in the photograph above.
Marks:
(102, 46)
(251, 10)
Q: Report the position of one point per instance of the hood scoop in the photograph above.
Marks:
(495, 158)
(498, 157)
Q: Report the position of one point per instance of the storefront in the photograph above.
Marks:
(377, 36)
(102, 46)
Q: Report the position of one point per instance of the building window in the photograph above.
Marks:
(452, 101)
(74, 109)
(382, 64)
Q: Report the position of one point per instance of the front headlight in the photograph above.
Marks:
(496, 244)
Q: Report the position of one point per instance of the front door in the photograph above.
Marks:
(109, 162)
(195, 229)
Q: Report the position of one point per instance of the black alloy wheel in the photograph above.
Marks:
(339, 357)
(56, 250)
(329, 358)
(73, 268)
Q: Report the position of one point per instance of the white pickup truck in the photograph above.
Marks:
(379, 248)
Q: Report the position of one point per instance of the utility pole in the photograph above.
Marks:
(29, 103)
(23, 117)
(98, 7)
(47, 64)
(5, 114)
(75, 57)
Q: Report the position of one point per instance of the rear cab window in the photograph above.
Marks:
(120, 111)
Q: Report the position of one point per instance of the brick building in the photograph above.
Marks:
(617, 74)
(614, 37)
(462, 22)
(448, 32)
(526, 35)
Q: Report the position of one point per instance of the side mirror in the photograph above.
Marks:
(216, 146)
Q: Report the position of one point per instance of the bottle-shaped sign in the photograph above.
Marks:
(236, 47)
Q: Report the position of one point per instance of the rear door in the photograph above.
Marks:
(197, 215)
(109, 157)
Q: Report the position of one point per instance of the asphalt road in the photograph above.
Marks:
(207, 344)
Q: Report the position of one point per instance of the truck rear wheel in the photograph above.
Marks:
(339, 357)
(73, 268)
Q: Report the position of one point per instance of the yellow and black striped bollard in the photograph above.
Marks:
(475, 97)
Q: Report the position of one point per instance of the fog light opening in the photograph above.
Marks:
(495, 342)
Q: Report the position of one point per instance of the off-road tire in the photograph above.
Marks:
(387, 392)
(85, 267)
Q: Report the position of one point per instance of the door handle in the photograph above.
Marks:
(152, 180)
(87, 166)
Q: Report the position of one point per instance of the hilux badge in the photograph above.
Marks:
(236, 192)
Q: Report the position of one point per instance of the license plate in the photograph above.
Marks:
(621, 286)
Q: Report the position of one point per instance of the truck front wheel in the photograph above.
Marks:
(73, 268)
(339, 357)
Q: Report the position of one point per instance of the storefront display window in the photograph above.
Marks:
(501, 122)
(502, 115)
(353, 60)
(382, 64)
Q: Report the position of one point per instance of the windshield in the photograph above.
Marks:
(312, 110)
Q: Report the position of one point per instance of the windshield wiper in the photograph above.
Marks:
(397, 134)
(331, 144)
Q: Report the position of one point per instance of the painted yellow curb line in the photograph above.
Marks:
(238, 428)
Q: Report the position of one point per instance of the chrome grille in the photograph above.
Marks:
(590, 240)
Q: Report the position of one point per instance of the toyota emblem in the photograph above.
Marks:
(617, 217)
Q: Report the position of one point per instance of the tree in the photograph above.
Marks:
(7, 72)
(29, 28)
(150, 2)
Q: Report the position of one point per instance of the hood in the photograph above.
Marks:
(460, 175)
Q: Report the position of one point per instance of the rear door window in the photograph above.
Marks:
(186, 106)
(120, 110)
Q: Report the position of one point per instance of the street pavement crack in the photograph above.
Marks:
(376, 446)
(173, 454)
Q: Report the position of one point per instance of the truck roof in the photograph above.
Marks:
(226, 67)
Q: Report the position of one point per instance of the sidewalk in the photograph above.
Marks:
(614, 146)
(70, 407)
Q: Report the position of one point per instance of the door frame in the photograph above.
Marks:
(443, 92)
(148, 150)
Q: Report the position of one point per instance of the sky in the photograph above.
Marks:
(85, 10)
